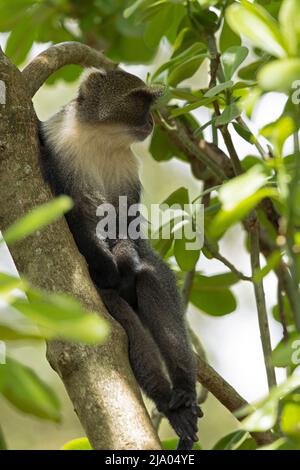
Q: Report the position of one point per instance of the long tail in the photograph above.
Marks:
(185, 444)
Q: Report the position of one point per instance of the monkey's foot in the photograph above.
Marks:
(184, 422)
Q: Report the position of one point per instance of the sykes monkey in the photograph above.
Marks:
(86, 154)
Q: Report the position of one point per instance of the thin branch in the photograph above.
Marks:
(293, 188)
(217, 255)
(231, 150)
(197, 152)
(226, 395)
(256, 142)
(59, 55)
(253, 226)
(281, 311)
(187, 286)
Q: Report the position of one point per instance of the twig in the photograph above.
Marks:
(226, 395)
(290, 232)
(253, 226)
(257, 144)
(199, 349)
(187, 286)
(216, 70)
(198, 153)
(281, 311)
(217, 255)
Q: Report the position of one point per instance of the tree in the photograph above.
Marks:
(260, 192)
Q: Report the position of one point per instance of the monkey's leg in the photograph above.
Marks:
(146, 363)
(159, 307)
(143, 353)
(162, 314)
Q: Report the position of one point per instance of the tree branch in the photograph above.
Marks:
(253, 228)
(99, 379)
(59, 55)
(227, 395)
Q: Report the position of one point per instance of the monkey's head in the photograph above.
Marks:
(119, 100)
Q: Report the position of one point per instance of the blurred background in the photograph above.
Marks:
(231, 342)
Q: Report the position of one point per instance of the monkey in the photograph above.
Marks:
(86, 154)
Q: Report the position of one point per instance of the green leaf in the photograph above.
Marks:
(232, 59)
(186, 109)
(60, 315)
(238, 189)
(232, 441)
(162, 147)
(266, 410)
(218, 281)
(133, 8)
(216, 302)
(283, 443)
(243, 132)
(8, 333)
(230, 113)
(288, 314)
(249, 100)
(81, 443)
(20, 42)
(180, 197)
(27, 392)
(290, 420)
(216, 90)
(186, 258)
(238, 197)
(289, 18)
(228, 38)
(278, 132)
(37, 218)
(185, 69)
(254, 22)
(8, 283)
(159, 25)
(280, 75)
(194, 50)
(171, 444)
(272, 263)
(226, 218)
(287, 353)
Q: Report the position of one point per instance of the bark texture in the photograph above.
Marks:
(99, 379)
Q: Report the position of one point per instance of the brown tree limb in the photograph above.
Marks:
(227, 395)
(99, 379)
(59, 55)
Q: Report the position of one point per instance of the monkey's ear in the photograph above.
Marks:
(149, 94)
(89, 80)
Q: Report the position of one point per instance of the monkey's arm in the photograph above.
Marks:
(101, 262)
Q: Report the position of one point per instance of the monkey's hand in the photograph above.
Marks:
(184, 422)
(183, 413)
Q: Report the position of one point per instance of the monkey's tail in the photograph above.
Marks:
(185, 444)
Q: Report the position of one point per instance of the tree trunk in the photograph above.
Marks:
(99, 379)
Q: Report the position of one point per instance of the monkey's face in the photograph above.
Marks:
(119, 99)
